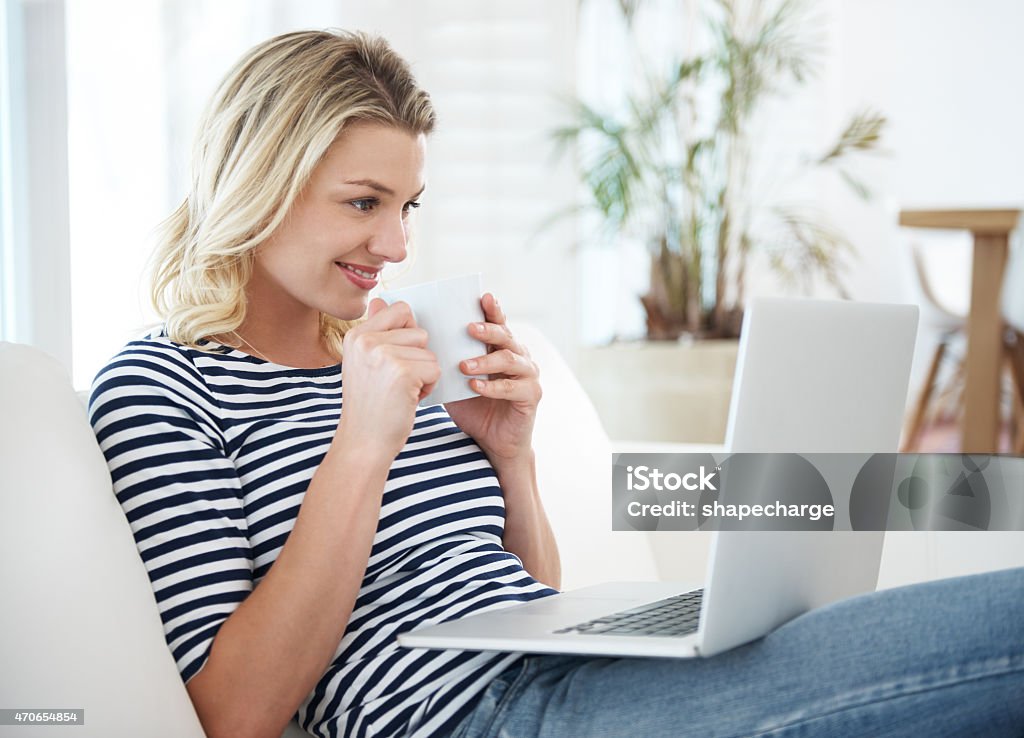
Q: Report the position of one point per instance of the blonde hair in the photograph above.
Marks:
(268, 125)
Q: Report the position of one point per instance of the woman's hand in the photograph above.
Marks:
(501, 419)
(386, 370)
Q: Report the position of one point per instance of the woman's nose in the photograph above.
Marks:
(391, 241)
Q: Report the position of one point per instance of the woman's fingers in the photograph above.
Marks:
(390, 344)
(402, 337)
(492, 310)
(496, 336)
(510, 376)
(387, 324)
(384, 317)
(375, 306)
(505, 355)
(493, 331)
(502, 361)
(506, 388)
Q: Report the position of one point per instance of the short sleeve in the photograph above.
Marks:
(157, 426)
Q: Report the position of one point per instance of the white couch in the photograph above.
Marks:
(80, 627)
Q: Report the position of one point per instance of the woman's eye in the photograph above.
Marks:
(369, 204)
(365, 205)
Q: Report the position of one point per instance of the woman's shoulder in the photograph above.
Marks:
(155, 363)
(154, 381)
(155, 348)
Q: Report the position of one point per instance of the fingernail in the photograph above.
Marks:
(471, 363)
(479, 327)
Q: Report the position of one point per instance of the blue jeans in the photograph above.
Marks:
(943, 658)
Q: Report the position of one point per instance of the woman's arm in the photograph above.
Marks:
(528, 533)
(501, 422)
(250, 654)
(274, 648)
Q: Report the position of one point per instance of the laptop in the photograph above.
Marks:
(812, 376)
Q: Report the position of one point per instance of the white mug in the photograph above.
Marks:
(444, 309)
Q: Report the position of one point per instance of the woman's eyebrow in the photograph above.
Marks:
(375, 185)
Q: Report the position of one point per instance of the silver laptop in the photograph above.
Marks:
(812, 376)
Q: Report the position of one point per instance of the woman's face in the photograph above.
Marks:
(351, 219)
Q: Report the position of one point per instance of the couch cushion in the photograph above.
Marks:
(80, 625)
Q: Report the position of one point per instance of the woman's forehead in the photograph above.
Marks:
(385, 158)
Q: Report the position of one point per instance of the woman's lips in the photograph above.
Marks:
(359, 280)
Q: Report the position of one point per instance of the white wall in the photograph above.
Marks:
(947, 74)
(117, 155)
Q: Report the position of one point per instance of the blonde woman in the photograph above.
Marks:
(295, 512)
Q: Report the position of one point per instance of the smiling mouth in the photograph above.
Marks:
(365, 273)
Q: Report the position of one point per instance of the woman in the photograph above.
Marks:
(288, 542)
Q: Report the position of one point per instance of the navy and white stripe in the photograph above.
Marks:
(211, 452)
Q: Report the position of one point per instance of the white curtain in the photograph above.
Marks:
(34, 279)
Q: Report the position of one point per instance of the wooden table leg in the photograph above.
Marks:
(984, 346)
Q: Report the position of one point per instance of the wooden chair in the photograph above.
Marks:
(1012, 303)
(950, 325)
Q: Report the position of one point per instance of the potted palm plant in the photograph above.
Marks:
(675, 170)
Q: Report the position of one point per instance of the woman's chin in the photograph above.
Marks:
(351, 310)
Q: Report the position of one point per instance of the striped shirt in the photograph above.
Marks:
(211, 452)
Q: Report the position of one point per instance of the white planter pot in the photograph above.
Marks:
(661, 391)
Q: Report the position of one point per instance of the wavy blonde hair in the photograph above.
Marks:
(268, 125)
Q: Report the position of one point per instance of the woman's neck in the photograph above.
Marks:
(311, 353)
(280, 329)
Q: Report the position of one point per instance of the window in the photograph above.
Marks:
(10, 91)
(34, 281)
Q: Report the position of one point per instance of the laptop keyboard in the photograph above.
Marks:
(672, 616)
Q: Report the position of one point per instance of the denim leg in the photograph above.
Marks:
(942, 658)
